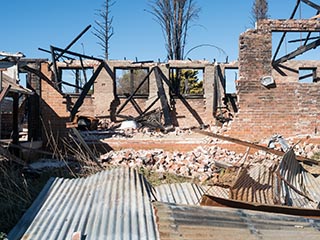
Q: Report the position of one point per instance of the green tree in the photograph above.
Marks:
(188, 81)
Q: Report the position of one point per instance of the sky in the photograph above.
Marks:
(29, 25)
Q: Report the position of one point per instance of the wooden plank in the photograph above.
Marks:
(85, 91)
(255, 146)
(208, 200)
(4, 92)
(85, 145)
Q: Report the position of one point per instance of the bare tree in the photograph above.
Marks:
(174, 17)
(104, 30)
(259, 10)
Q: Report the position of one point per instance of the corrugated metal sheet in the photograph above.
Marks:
(193, 222)
(255, 184)
(299, 188)
(187, 193)
(114, 204)
(286, 183)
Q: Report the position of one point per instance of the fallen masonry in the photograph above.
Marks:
(206, 162)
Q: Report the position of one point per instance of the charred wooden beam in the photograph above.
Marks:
(85, 91)
(134, 93)
(47, 51)
(284, 34)
(311, 4)
(41, 75)
(304, 39)
(76, 54)
(87, 87)
(135, 105)
(83, 70)
(298, 51)
(255, 146)
(15, 119)
(163, 98)
(71, 85)
(151, 105)
(72, 42)
(55, 68)
(182, 98)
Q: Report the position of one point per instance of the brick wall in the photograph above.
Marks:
(54, 109)
(287, 108)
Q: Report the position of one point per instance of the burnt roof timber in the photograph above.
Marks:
(183, 99)
(297, 52)
(134, 93)
(77, 54)
(284, 34)
(47, 51)
(311, 4)
(72, 42)
(255, 146)
(87, 87)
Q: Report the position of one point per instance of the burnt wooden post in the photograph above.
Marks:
(163, 98)
(15, 118)
(34, 121)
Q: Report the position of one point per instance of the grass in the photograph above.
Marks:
(18, 189)
(156, 179)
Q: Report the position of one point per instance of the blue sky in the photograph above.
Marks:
(28, 25)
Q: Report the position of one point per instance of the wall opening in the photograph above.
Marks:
(74, 79)
(307, 75)
(187, 81)
(231, 76)
(128, 80)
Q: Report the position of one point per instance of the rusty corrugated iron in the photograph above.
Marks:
(255, 185)
(209, 200)
(196, 222)
(285, 183)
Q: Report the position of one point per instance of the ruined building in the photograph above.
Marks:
(271, 96)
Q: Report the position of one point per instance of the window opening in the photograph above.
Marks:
(187, 82)
(128, 80)
(307, 75)
(75, 79)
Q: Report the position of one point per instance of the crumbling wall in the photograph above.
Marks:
(104, 97)
(287, 107)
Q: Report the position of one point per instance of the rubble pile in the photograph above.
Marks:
(203, 163)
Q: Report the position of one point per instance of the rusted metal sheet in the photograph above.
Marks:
(114, 204)
(298, 187)
(255, 184)
(208, 200)
(255, 146)
(285, 183)
(194, 222)
(187, 193)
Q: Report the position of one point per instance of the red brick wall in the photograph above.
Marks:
(288, 108)
(54, 109)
